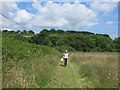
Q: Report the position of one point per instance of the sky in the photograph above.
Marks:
(96, 17)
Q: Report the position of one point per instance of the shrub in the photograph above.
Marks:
(64, 47)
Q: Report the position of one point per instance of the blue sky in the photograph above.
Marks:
(94, 17)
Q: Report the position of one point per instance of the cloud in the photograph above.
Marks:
(105, 7)
(5, 22)
(6, 11)
(10, 0)
(109, 22)
(9, 29)
(66, 15)
(53, 15)
(59, 0)
(9, 6)
(34, 0)
(22, 16)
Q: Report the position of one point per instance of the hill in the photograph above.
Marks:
(71, 40)
(33, 60)
(21, 61)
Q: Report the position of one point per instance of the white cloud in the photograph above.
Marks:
(10, 0)
(105, 7)
(109, 22)
(108, 0)
(5, 22)
(73, 16)
(59, 0)
(34, 0)
(0, 21)
(9, 29)
(9, 6)
(54, 15)
(22, 16)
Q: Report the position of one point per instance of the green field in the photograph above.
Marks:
(84, 70)
(27, 65)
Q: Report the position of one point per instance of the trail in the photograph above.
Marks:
(68, 77)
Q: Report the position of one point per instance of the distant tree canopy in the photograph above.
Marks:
(74, 40)
(5, 30)
(24, 32)
(31, 32)
(117, 43)
(18, 31)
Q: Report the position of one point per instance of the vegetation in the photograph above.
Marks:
(87, 70)
(101, 69)
(32, 60)
(25, 64)
(79, 41)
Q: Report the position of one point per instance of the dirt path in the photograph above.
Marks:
(68, 77)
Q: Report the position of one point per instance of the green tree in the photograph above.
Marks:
(18, 31)
(24, 32)
(30, 32)
(117, 43)
(5, 30)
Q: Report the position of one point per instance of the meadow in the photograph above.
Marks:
(30, 65)
(26, 65)
(101, 69)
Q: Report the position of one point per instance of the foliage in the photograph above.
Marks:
(79, 40)
(117, 43)
(17, 55)
(29, 59)
(62, 48)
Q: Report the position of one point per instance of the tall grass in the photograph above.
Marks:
(27, 65)
(35, 73)
(101, 69)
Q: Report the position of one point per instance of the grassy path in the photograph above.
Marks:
(67, 77)
(83, 70)
(86, 70)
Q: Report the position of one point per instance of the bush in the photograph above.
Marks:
(64, 47)
(17, 54)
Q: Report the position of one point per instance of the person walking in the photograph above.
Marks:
(65, 56)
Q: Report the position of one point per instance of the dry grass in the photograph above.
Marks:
(84, 70)
(33, 74)
(27, 35)
(100, 68)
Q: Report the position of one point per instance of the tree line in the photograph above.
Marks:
(71, 40)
